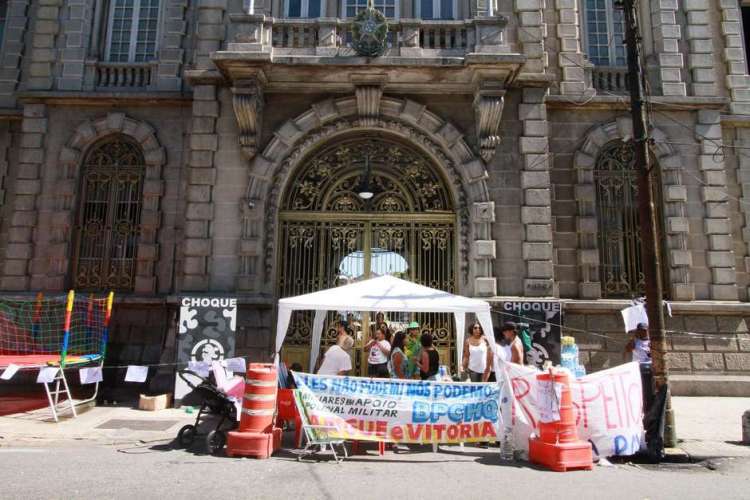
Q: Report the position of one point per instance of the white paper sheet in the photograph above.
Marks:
(9, 371)
(90, 375)
(236, 365)
(136, 373)
(633, 315)
(200, 368)
(46, 374)
(547, 401)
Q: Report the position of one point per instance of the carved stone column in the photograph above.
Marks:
(489, 100)
(247, 102)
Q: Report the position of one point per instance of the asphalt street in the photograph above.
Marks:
(156, 470)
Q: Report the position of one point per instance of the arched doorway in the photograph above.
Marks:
(330, 235)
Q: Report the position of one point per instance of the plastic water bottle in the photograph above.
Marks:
(506, 446)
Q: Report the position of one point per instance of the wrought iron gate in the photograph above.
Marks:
(330, 236)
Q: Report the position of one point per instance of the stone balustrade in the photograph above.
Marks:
(331, 36)
(121, 76)
(610, 79)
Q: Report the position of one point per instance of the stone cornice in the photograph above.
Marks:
(663, 103)
(65, 98)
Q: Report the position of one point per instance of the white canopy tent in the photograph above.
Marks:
(384, 293)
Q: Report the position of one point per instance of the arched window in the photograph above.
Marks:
(620, 266)
(109, 215)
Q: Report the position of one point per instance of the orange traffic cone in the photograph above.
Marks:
(257, 436)
(558, 446)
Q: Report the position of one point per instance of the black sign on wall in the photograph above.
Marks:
(544, 319)
(205, 333)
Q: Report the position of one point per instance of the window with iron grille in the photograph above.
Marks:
(620, 265)
(132, 30)
(109, 214)
(604, 33)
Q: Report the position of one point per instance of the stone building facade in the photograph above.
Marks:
(234, 138)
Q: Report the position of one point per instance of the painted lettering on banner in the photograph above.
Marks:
(399, 410)
(608, 407)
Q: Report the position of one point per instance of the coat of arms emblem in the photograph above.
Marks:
(370, 32)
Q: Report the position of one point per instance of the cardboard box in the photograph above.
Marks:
(155, 403)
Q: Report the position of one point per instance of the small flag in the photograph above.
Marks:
(46, 374)
(90, 375)
(200, 368)
(136, 373)
(9, 371)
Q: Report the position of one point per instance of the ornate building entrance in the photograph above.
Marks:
(358, 208)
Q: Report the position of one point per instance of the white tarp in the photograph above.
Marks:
(384, 293)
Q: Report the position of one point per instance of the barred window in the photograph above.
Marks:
(109, 215)
(605, 33)
(133, 30)
(620, 264)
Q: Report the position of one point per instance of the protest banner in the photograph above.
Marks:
(608, 406)
(402, 411)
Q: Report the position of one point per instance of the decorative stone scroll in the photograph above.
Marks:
(247, 101)
(488, 110)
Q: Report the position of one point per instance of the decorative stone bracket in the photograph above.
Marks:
(247, 102)
(369, 90)
(488, 110)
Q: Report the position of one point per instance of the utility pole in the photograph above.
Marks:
(650, 255)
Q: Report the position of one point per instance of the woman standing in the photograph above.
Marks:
(512, 345)
(429, 360)
(398, 362)
(477, 357)
(379, 350)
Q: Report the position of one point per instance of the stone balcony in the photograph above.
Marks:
(294, 53)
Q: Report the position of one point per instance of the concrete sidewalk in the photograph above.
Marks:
(706, 427)
(101, 424)
(710, 427)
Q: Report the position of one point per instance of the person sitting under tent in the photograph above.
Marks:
(337, 360)
(429, 360)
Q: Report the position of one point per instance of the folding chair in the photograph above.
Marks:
(317, 436)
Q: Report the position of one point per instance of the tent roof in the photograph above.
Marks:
(384, 293)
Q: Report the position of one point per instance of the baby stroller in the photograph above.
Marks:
(213, 400)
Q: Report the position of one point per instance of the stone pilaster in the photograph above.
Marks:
(23, 214)
(737, 79)
(76, 30)
(667, 34)
(531, 33)
(700, 38)
(536, 211)
(716, 223)
(13, 47)
(199, 209)
(485, 249)
(743, 178)
(171, 53)
(210, 31)
(570, 57)
(43, 53)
